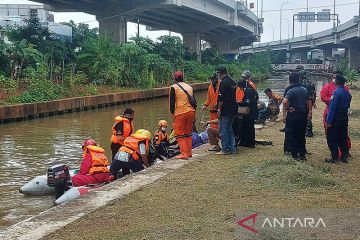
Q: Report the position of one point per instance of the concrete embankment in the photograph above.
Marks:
(68, 105)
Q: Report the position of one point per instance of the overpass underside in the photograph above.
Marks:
(223, 23)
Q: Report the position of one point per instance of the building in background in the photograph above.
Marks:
(14, 15)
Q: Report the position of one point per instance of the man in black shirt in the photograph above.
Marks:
(227, 110)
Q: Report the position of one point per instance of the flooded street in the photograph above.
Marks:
(28, 148)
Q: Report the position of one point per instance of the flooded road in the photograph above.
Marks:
(28, 148)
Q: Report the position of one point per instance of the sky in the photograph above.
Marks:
(346, 9)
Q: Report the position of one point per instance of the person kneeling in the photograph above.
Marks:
(94, 167)
(134, 155)
(161, 140)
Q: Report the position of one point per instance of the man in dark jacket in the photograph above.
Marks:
(250, 100)
(227, 109)
(297, 107)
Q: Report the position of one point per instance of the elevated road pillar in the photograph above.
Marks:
(327, 53)
(354, 55)
(115, 27)
(193, 42)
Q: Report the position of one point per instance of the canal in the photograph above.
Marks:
(28, 148)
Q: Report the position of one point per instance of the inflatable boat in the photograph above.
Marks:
(41, 186)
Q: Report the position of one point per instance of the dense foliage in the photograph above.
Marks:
(34, 67)
(350, 74)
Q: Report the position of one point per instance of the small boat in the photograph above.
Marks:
(39, 186)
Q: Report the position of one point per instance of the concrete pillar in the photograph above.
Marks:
(223, 46)
(116, 28)
(327, 53)
(354, 55)
(193, 42)
(303, 57)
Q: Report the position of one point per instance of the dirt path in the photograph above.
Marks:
(199, 201)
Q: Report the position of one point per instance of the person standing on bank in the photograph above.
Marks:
(212, 99)
(227, 110)
(249, 102)
(182, 108)
(298, 111)
(337, 122)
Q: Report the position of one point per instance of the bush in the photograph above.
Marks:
(195, 71)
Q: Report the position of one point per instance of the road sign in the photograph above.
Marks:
(306, 17)
(323, 16)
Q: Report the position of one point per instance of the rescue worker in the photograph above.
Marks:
(161, 139)
(94, 166)
(337, 122)
(134, 154)
(297, 105)
(182, 108)
(212, 98)
(249, 101)
(273, 108)
(122, 128)
(246, 74)
(325, 95)
(310, 86)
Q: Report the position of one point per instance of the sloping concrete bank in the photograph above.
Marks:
(57, 217)
(68, 105)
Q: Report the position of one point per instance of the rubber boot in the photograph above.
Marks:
(183, 149)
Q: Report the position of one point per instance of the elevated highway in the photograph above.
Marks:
(226, 24)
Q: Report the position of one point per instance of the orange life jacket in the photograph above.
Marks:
(212, 97)
(127, 131)
(182, 104)
(160, 136)
(240, 94)
(252, 84)
(131, 146)
(99, 162)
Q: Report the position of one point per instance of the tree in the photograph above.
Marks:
(81, 32)
(172, 49)
(34, 32)
(145, 43)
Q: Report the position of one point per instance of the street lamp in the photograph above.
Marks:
(273, 31)
(281, 16)
(288, 21)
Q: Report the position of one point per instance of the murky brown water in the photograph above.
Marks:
(28, 148)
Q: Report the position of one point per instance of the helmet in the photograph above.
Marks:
(163, 123)
(89, 142)
(143, 133)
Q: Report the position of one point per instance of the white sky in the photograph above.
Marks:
(271, 16)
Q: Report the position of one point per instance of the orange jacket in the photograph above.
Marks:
(212, 97)
(127, 130)
(182, 104)
(99, 162)
(131, 146)
(252, 84)
(240, 94)
(160, 136)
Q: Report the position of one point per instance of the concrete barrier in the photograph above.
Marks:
(40, 109)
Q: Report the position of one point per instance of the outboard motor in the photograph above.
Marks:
(58, 177)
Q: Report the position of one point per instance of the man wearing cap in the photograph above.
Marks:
(227, 109)
(246, 74)
(212, 98)
(183, 113)
(337, 122)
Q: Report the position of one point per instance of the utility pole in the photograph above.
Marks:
(288, 21)
(262, 8)
(307, 11)
(334, 25)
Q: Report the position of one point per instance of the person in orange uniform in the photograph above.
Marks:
(212, 99)
(183, 114)
(122, 128)
(134, 154)
(161, 139)
(94, 166)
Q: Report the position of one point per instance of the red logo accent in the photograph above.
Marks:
(250, 228)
